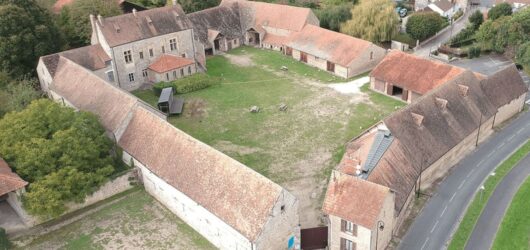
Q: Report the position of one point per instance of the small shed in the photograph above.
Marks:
(168, 104)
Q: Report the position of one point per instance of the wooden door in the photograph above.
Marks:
(303, 57)
(331, 67)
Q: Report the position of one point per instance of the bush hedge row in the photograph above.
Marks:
(188, 84)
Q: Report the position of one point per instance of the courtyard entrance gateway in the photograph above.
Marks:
(314, 238)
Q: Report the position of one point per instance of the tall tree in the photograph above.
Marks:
(373, 20)
(26, 33)
(421, 26)
(500, 10)
(74, 20)
(190, 6)
(63, 154)
(476, 19)
(332, 16)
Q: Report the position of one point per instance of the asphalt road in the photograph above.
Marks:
(488, 223)
(435, 224)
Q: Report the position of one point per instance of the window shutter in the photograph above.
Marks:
(342, 244)
(354, 246)
(342, 225)
(354, 230)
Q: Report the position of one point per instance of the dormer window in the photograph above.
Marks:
(417, 118)
(441, 103)
(463, 89)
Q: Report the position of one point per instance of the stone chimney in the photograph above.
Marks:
(174, 2)
(134, 12)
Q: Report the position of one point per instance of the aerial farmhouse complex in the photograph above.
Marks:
(450, 110)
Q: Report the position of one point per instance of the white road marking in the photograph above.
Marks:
(443, 212)
(480, 163)
(520, 130)
(511, 137)
(452, 197)
(490, 154)
(424, 243)
(461, 184)
(435, 225)
(469, 174)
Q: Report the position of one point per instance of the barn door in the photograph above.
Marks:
(330, 66)
(303, 57)
(289, 51)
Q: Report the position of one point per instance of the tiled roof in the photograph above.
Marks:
(413, 73)
(444, 5)
(92, 57)
(275, 40)
(329, 45)
(88, 92)
(9, 181)
(504, 86)
(145, 24)
(526, 2)
(233, 192)
(354, 199)
(223, 19)
(168, 62)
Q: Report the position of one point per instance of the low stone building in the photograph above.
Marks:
(169, 67)
(337, 53)
(428, 137)
(11, 189)
(408, 77)
(228, 203)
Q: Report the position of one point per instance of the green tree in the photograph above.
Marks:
(421, 26)
(499, 10)
(373, 20)
(26, 33)
(21, 94)
(190, 6)
(63, 154)
(523, 54)
(4, 241)
(74, 20)
(476, 19)
(331, 17)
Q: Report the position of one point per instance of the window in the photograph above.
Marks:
(348, 227)
(151, 53)
(182, 72)
(110, 75)
(173, 44)
(141, 55)
(183, 55)
(167, 76)
(175, 74)
(163, 49)
(131, 77)
(189, 70)
(347, 244)
(144, 73)
(282, 208)
(128, 56)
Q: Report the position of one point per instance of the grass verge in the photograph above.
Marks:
(515, 227)
(477, 205)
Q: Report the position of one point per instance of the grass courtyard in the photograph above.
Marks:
(296, 148)
(136, 221)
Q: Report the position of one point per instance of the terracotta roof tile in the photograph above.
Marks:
(230, 190)
(168, 62)
(9, 181)
(413, 73)
(330, 45)
(354, 199)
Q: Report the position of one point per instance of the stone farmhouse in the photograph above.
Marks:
(228, 203)
(408, 77)
(384, 166)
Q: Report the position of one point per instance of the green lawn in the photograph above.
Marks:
(477, 205)
(295, 148)
(135, 222)
(514, 232)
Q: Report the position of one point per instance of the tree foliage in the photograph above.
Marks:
(4, 241)
(421, 26)
(26, 33)
(523, 54)
(373, 20)
(63, 154)
(476, 19)
(505, 32)
(500, 10)
(331, 17)
(15, 95)
(194, 5)
(74, 20)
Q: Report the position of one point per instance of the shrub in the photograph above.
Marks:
(476, 19)
(458, 14)
(464, 37)
(523, 54)
(474, 52)
(4, 242)
(331, 17)
(499, 10)
(421, 26)
(187, 84)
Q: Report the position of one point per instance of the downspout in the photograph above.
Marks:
(115, 67)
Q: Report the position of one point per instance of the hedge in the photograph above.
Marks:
(464, 37)
(421, 26)
(188, 84)
(4, 242)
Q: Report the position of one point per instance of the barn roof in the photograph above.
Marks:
(9, 181)
(354, 199)
(329, 45)
(223, 19)
(504, 86)
(92, 57)
(167, 62)
(253, 13)
(413, 73)
(233, 192)
(88, 92)
(132, 27)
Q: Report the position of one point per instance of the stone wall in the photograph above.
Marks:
(366, 61)
(509, 110)
(362, 240)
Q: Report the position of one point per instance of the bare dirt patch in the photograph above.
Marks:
(228, 146)
(195, 108)
(240, 60)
